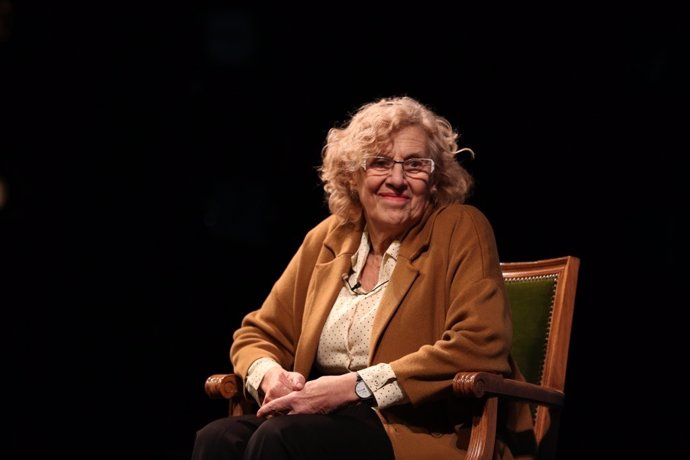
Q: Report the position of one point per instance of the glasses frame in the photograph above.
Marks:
(356, 288)
(401, 163)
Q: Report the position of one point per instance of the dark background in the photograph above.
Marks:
(160, 162)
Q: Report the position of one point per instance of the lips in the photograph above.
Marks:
(394, 196)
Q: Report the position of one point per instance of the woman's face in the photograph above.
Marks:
(392, 201)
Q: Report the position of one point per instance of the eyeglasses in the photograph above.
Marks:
(412, 167)
(355, 289)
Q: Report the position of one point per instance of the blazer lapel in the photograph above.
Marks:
(405, 273)
(324, 286)
(403, 276)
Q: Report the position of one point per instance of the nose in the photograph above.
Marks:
(397, 175)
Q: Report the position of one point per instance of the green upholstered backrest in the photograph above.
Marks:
(531, 302)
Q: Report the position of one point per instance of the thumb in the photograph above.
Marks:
(297, 381)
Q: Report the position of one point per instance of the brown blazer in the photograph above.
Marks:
(445, 310)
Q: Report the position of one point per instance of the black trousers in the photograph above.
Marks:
(354, 432)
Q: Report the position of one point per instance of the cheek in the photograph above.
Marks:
(422, 189)
(371, 184)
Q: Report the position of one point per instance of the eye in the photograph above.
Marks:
(380, 162)
(415, 164)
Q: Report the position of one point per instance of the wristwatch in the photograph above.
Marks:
(363, 392)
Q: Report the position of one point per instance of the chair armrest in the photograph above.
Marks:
(479, 384)
(221, 386)
(229, 386)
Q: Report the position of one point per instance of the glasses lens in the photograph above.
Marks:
(418, 165)
(379, 164)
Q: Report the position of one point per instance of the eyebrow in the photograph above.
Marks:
(405, 156)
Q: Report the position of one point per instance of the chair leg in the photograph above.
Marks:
(483, 437)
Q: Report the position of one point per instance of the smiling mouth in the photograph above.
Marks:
(395, 199)
(391, 195)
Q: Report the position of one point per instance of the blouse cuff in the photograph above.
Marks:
(255, 375)
(382, 382)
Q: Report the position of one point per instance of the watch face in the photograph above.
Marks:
(362, 390)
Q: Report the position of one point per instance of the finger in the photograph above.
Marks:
(269, 412)
(264, 411)
(298, 383)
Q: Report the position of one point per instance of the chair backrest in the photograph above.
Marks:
(542, 298)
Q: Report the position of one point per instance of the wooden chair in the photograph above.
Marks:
(542, 298)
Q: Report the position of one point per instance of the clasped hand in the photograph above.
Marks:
(288, 393)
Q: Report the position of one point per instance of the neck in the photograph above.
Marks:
(378, 245)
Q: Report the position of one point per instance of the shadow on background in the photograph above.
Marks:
(159, 170)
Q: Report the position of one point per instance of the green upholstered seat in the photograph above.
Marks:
(531, 302)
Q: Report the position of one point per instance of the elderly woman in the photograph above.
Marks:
(353, 352)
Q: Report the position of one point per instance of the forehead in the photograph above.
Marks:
(411, 139)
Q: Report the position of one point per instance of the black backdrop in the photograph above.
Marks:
(160, 162)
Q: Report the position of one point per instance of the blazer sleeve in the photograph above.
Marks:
(461, 288)
(274, 329)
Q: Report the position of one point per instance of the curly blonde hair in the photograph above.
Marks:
(369, 132)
